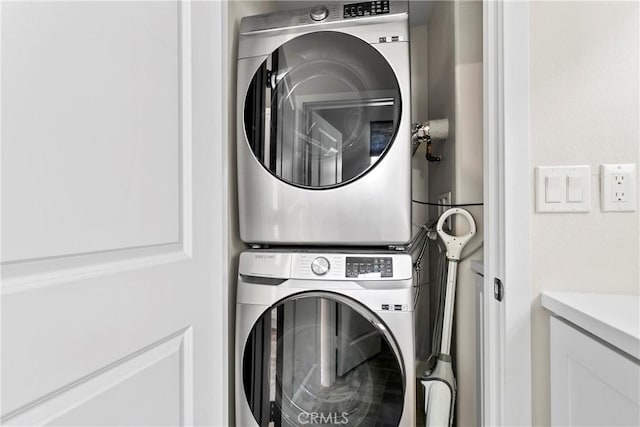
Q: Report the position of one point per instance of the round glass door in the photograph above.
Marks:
(322, 110)
(321, 359)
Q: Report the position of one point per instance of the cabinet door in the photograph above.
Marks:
(591, 383)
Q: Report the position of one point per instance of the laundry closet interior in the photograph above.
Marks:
(312, 206)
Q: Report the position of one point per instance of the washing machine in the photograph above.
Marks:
(326, 338)
(323, 130)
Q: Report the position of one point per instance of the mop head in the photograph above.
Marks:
(439, 395)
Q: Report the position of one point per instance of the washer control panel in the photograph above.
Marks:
(350, 266)
(357, 266)
(367, 8)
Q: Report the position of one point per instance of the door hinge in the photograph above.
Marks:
(498, 289)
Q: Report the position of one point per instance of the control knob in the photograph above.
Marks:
(319, 13)
(320, 266)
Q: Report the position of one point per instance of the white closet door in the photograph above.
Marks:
(113, 245)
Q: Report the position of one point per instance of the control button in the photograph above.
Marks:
(320, 266)
(385, 306)
(319, 13)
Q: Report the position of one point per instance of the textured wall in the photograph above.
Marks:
(584, 110)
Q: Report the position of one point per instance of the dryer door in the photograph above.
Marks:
(322, 110)
(304, 364)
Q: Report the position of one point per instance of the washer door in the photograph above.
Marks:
(322, 110)
(323, 359)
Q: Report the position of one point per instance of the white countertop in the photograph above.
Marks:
(612, 318)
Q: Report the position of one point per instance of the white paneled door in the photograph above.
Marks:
(113, 212)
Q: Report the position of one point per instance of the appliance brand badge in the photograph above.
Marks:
(262, 256)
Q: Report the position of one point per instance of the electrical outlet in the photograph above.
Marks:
(618, 188)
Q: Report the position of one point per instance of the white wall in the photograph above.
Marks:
(455, 92)
(468, 189)
(584, 90)
(442, 95)
(419, 113)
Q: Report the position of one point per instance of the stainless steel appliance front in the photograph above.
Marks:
(335, 346)
(323, 127)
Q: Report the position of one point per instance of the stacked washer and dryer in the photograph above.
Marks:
(325, 330)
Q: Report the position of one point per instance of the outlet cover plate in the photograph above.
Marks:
(618, 188)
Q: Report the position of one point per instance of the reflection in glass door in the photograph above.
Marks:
(324, 358)
(322, 109)
(323, 144)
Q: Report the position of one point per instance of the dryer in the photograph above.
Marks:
(323, 131)
(326, 338)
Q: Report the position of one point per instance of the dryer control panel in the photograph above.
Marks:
(334, 12)
(366, 8)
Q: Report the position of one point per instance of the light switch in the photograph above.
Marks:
(563, 189)
(553, 189)
(574, 189)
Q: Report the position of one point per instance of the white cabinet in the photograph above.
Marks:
(592, 382)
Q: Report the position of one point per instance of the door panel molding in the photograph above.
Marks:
(25, 274)
(62, 401)
(39, 274)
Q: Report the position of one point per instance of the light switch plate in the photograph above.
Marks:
(572, 183)
(618, 188)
